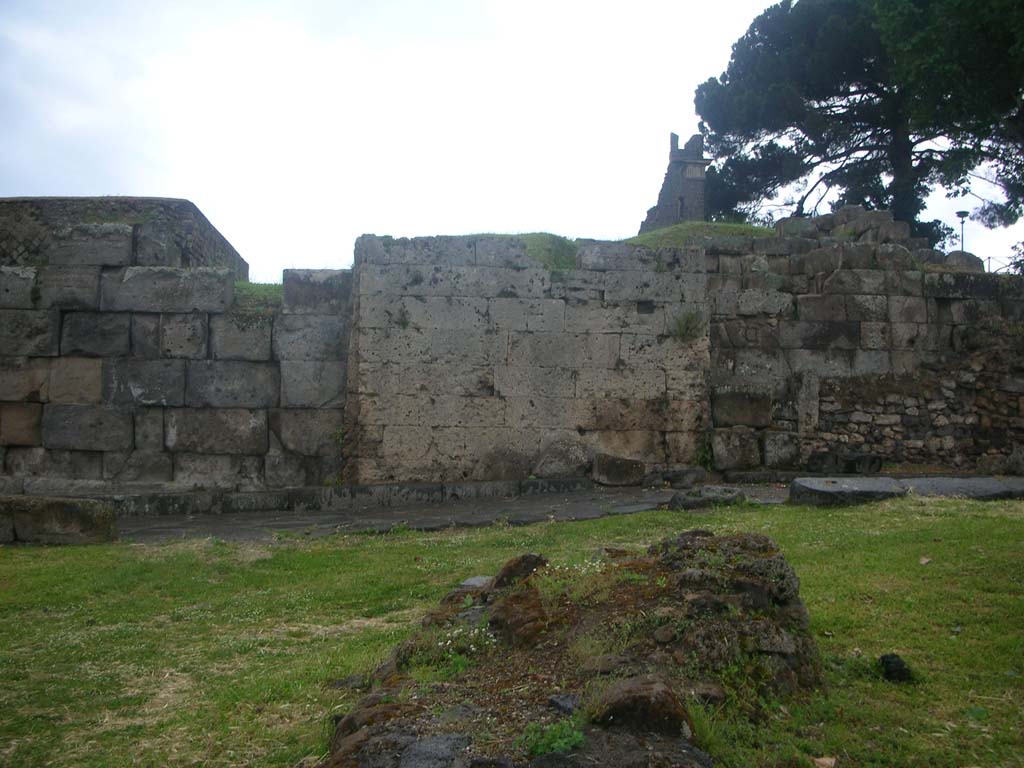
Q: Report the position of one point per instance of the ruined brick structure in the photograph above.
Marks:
(682, 192)
(127, 369)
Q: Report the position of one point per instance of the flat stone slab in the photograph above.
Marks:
(841, 491)
(43, 520)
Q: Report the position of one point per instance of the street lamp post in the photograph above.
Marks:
(962, 215)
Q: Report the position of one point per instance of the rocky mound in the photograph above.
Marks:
(600, 664)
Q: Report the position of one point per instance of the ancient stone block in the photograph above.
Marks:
(17, 287)
(465, 314)
(563, 350)
(317, 291)
(961, 285)
(735, 448)
(522, 412)
(144, 382)
(644, 445)
(68, 287)
(650, 285)
(76, 380)
(615, 470)
(221, 430)
(149, 429)
(908, 335)
(95, 334)
(55, 521)
(501, 252)
(164, 289)
(20, 423)
(183, 335)
(871, 363)
(682, 447)
(751, 409)
(443, 250)
(287, 471)
(828, 308)
(145, 336)
(156, 246)
(805, 335)
(241, 336)
(108, 245)
(893, 256)
(860, 281)
(433, 411)
(87, 428)
(218, 471)
(665, 352)
(24, 379)
(522, 381)
(138, 466)
(595, 317)
(232, 384)
(313, 384)
(964, 262)
(875, 335)
(309, 337)
(762, 302)
(867, 307)
(638, 383)
(781, 449)
(29, 332)
(908, 309)
(488, 348)
(40, 462)
(480, 282)
(821, 363)
(545, 315)
(308, 432)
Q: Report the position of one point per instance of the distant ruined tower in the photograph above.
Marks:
(682, 193)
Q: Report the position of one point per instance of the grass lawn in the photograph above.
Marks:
(213, 654)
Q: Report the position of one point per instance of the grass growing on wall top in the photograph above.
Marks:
(215, 654)
(679, 234)
(555, 252)
(253, 297)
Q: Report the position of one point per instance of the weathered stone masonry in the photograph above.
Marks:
(127, 368)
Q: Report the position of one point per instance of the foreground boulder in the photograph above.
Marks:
(42, 520)
(596, 665)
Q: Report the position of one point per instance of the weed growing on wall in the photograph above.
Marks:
(687, 326)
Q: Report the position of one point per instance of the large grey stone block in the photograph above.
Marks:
(68, 287)
(40, 462)
(544, 315)
(308, 432)
(59, 521)
(781, 449)
(639, 383)
(149, 429)
(908, 309)
(76, 380)
(96, 334)
(164, 289)
(595, 317)
(29, 332)
(524, 381)
(218, 472)
(317, 291)
(232, 384)
(87, 427)
(18, 288)
(310, 337)
(867, 307)
(443, 250)
(183, 335)
(107, 245)
(313, 384)
(563, 350)
(451, 313)
(827, 308)
(24, 378)
(215, 430)
(807, 335)
(145, 335)
(735, 448)
(481, 282)
(733, 409)
(144, 382)
(238, 336)
(157, 246)
(138, 466)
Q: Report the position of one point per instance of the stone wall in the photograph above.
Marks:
(127, 366)
(139, 378)
(471, 361)
(845, 336)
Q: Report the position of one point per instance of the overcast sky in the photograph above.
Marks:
(297, 125)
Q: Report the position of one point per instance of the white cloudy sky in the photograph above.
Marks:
(298, 125)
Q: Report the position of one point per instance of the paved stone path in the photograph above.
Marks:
(519, 510)
(837, 491)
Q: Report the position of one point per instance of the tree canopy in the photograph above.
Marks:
(871, 102)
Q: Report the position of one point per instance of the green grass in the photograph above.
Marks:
(257, 297)
(553, 251)
(205, 653)
(681, 234)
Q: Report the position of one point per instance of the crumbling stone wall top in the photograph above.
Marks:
(112, 232)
